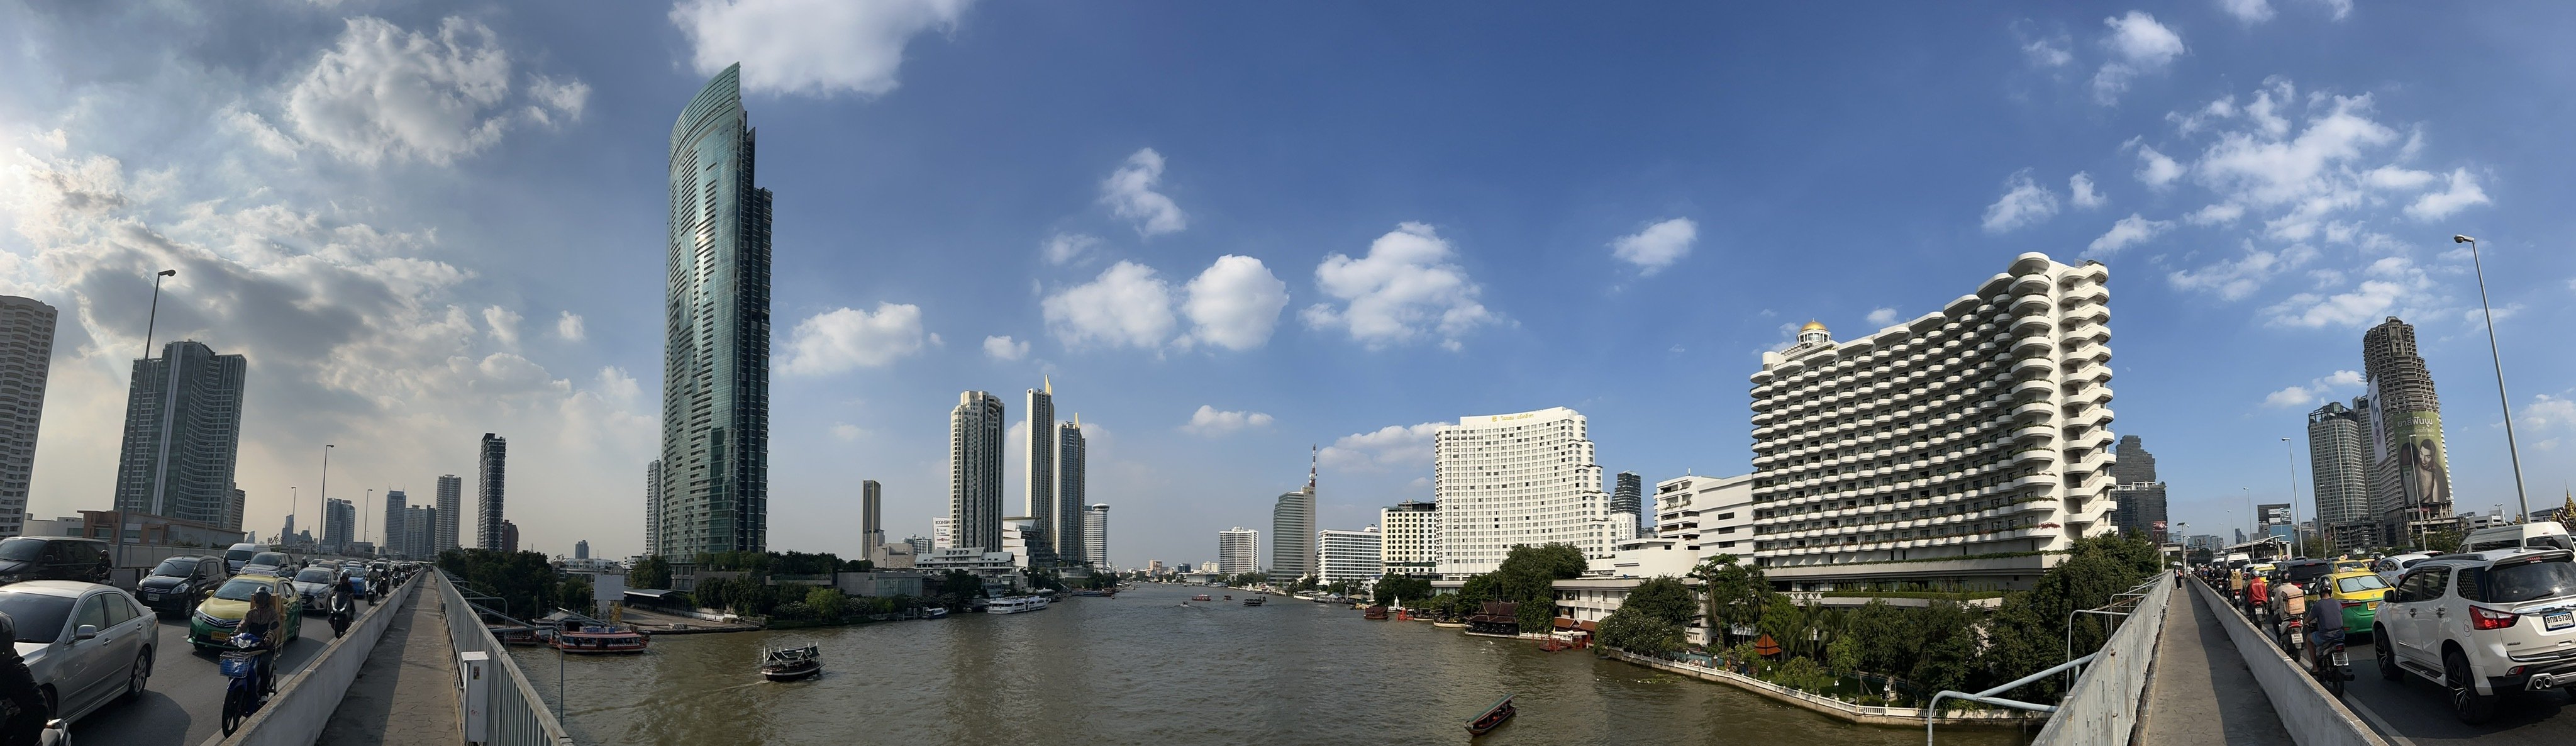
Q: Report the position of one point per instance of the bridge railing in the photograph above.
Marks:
(2102, 708)
(516, 716)
(303, 704)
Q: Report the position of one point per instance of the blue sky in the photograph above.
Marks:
(1325, 225)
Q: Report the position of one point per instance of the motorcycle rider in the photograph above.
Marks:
(2289, 602)
(343, 605)
(2325, 628)
(2256, 592)
(265, 618)
(18, 687)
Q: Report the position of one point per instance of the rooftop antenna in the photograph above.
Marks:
(1314, 456)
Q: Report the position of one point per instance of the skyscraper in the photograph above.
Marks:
(653, 508)
(490, 478)
(1037, 495)
(1072, 457)
(1095, 536)
(420, 532)
(1409, 538)
(1629, 497)
(396, 504)
(2411, 460)
(339, 521)
(509, 537)
(2138, 500)
(1238, 551)
(871, 518)
(581, 549)
(182, 434)
(975, 471)
(2339, 463)
(451, 505)
(1292, 530)
(26, 359)
(1512, 479)
(715, 355)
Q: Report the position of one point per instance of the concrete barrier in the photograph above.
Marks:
(1858, 713)
(2103, 706)
(303, 704)
(2312, 715)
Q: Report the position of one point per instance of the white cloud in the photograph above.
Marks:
(2234, 280)
(847, 432)
(1129, 192)
(504, 324)
(809, 47)
(1062, 248)
(1003, 348)
(2546, 412)
(2049, 52)
(384, 94)
(556, 101)
(568, 327)
(2301, 396)
(1406, 288)
(2217, 214)
(2390, 282)
(2462, 193)
(2156, 169)
(2341, 8)
(2129, 230)
(1387, 447)
(2080, 191)
(1211, 422)
(2140, 45)
(1883, 316)
(1127, 306)
(1235, 303)
(2249, 11)
(846, 338)
(1657, 246)
(2024, 202)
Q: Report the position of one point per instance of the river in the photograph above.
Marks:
(1142, 669)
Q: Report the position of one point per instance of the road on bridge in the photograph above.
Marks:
(184, 705)
(2417, 710)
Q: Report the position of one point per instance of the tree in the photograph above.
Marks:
(1665, 599)
(650, 572)
(1737, 593)
(827, 603)
(574, 593)
(1399, 587)
(1638, 631)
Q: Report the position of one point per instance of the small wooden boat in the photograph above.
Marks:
(790, 664)
(1204, 597)
(1256, 601)
(935, 612)
(1493, 716)
(1374, 613)
(1229, 596)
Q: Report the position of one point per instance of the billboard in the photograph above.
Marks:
(2275, 514)
(2423, 460)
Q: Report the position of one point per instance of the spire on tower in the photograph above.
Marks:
(1049, 383)
(1313, 455)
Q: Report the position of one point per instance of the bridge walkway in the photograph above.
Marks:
(2199, 690)
(405, 695)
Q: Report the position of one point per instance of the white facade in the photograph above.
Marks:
(1709, 516)
(1349, 555)
(1095, 535)
(943, 533)
(1981, 429)
(1513, 479)
(26, 359)
(1409, 538)
(1238, 551)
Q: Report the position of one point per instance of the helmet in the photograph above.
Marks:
(261, 594)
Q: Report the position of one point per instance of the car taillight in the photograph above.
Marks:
(2481, 617)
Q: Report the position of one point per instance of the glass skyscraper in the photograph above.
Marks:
(182, 434)
(715, 358)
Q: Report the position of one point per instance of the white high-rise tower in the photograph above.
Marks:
(1511, 479)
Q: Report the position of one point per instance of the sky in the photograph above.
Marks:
(1229, 233)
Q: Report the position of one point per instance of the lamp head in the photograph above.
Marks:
(169, 273)
(2462, 239)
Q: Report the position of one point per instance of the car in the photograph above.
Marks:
(53, 558)
(178, 582)
(2482, 624)
(87, 644)
(2391, 566)
(239, 554)
(2349, 565)
(272, 564)
(211, 625)
(315, 583)
(2535, 535)
(2359, 591)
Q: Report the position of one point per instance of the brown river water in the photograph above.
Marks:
(1143, 669)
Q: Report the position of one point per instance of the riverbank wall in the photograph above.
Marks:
(1908, 717)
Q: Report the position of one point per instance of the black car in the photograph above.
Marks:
(52, 558)
(180, 582)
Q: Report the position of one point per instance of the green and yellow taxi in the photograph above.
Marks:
(211, 625)
(2351, 565)
(2360, 591)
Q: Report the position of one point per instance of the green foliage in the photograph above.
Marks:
(2440, 541)
(1391, 589)
(953, 589)
(1044, 579)
(1803, 674)
(1738, 594)
(1527, 576)
(1551, 561)
(1664, 599)
(650, 572)
(827, 603)
(1304, 583)
(525, 581)
(1638, 631)
(574, 593)
(859, 565)
(1100, 581)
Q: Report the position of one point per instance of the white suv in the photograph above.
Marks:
(2482, 624)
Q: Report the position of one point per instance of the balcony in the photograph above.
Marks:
(2034, 456)
(2033, 366)
(2035, 433)
(2035, 304)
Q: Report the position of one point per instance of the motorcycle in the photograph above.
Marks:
(244, 691)
(2328, 662)
(342, 611)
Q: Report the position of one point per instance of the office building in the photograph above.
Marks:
(1980, 432)
(339, 524)
(1512, 479)
(2137, 497)
(509, 537)
(1095, 536)
(2339, 466)
(490, 481)
(1072, 488)
(1706, 516)
(653, 508)
(1292, 530)
(396, 503)
(1409, 539)
(1353, 556)
(420, 535)
(922, 546)
(451, 507)
(1037, 495)
(1238, 551)
(2411, 461)
(233, 510)
(182, 434)
(975, 472)
(26, 361)
(715, 352)
(871, 518)
(581, 549)
(1629, 496)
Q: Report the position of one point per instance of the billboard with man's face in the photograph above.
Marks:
(2423, 462)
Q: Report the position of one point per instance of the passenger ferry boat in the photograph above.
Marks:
(599, 638)
(1015, 604)
(1201, 597)
(790, 664)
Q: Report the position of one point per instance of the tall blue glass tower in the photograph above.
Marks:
(715, 358)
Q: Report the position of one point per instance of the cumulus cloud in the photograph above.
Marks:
(2461, 194)
(2157, 169)
(1063, 248)
(1657, 246)
(1005, 349)
(810, 47)
(2301, 396)
(2129, 230)
(2050, 53)
(1882, 316)
(1211, 422)
(847, 432)
(2546, 412)
(2238, 278)
(382, 94)
(1393, 446)
(568, 327)
(2080, 191)
(843, 339)
(2249, 11)
(1129, 192)
(2218, 214)
(2387, 284)
(2025, 202)
(1405, 289)
(1126, 306)
(1235, 303)
(504, 324)
(2138, 45)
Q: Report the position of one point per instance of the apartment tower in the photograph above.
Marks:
(2411, 461)
(1037, 494)
(1072, 488)
(491, 476)
(1095, 536)
(871, 518)
(1238, 551)
(975, 471)
(2138, 499)
(182, 434)
(2339, 465)
(653, 508)
(1292, 530)
(1511, 479)
(451, 505)
(26, 360)
(395, 539)
(1409, 539)
(715, 354)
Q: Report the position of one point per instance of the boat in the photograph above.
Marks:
(599, 638)
(1493, 716)
(935, 612)
(1203, 597)
(1229, 596)
(790, 664)
(517, 635)
(1376, 613)
(1015, 604)
(1255, 601)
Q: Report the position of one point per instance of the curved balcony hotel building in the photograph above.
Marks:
(1972, 445)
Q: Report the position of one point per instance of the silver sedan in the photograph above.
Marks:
(86, 643)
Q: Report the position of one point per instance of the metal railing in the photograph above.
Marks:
(2102, 705)
(517, 717)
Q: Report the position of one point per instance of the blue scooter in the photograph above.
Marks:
(245, 691)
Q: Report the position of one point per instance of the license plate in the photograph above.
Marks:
(151, 596)
(2341, 659)
(2560, 620)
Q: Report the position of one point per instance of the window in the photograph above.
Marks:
(93, 612)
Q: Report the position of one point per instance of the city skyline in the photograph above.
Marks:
(435, 277)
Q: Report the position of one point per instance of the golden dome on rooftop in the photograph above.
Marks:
(1813, 326)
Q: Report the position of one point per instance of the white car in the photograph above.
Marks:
(2482, 624)
(86, 643)
(2391, 566)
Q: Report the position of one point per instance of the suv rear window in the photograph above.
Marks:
(2530, 581)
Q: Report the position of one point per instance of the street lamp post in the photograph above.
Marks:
(362, 514)
(2502, 401)
(2297, 546)
(324, 502)
(150, 319)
